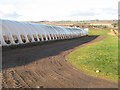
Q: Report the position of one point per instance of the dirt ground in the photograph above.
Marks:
(46, 66)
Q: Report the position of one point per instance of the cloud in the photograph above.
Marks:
(12, 15)
(110, 10)
(85, 13)
(119, 10)
(9, 11)
(58, 9)
(92, 12)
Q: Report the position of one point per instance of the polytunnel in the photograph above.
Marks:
(14, 32)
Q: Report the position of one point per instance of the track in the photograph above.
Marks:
(46, 66)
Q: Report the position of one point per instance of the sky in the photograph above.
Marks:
(57, 10)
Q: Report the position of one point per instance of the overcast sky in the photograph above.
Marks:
(37, 10)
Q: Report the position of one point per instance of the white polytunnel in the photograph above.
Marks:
(14, 32)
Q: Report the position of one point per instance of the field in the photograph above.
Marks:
(99, 59)
(46, 66)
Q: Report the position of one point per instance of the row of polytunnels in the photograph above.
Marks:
(14, 32)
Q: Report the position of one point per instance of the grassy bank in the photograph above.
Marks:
(100, 56)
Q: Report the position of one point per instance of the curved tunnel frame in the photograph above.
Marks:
(14, 32)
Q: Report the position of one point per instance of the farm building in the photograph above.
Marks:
(14, 32)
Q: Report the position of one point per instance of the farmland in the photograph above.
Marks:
(47, 66)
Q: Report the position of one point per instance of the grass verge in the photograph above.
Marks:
(98, 59)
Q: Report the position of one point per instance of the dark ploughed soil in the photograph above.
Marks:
(46, 66)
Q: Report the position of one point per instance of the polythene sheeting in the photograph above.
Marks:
(10, 28)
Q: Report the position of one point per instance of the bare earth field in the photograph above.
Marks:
(46, 66)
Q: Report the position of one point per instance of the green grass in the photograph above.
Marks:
(102, 55)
